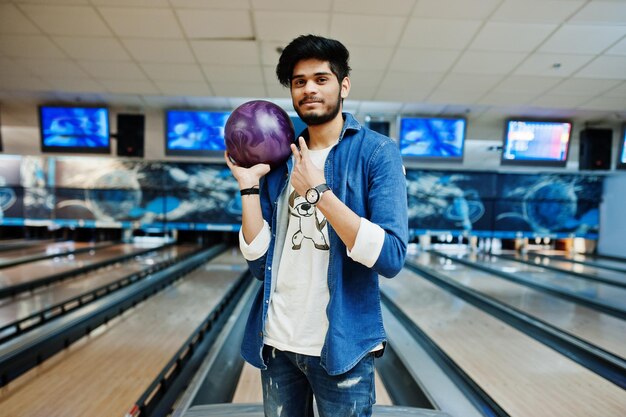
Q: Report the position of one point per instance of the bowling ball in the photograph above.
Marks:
(258, 132)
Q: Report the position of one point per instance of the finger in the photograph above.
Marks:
(229, 163)
(262, 169)
(304, 150)
(296, 152)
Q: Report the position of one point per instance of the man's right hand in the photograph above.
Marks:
(247, 177)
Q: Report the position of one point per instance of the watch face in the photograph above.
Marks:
(312, 195)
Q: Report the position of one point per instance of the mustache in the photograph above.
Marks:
(310, 100)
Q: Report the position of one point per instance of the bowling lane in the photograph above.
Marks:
(33, 271)
(598, 261)
(105, 373)
(17, 308)
(525, 377)
(556, 262)
(594, 291)
(42, 249)
(597, 328)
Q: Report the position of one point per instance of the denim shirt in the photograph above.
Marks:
(364, 170)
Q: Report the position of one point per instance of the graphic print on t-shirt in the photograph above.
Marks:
(309, 225)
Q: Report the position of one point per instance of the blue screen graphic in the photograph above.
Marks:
(535, 140)
(432, 137)
(622, 158)
(75, 127)
(195, 130)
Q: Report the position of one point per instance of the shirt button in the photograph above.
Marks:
(269, 268)
(261, 334)
(267, 301)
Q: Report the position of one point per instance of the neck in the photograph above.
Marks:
(324, 135)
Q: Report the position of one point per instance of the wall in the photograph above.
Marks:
(612, 240)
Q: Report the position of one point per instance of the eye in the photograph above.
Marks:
(298, 82)
(322, 80)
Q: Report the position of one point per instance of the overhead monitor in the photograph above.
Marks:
(432, 138)
(195, 132)
(621, 159)
(536, 142)
(74, 129)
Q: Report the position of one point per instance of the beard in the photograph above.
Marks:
(312, 119)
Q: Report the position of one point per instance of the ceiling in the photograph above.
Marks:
(481, 58)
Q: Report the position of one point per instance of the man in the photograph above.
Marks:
(318, 231)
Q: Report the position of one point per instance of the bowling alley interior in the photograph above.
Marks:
(123, 289)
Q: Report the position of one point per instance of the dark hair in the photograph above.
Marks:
(313, 47)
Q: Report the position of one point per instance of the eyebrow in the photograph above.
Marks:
(316, 75)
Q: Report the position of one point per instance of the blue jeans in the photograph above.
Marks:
(291, 380)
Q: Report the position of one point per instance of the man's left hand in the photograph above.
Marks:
(305, 174)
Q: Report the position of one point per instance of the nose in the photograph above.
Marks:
(310, 87)
(306, 207)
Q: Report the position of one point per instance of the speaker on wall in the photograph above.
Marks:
(595, 149)
(380, 126)
(130, 133)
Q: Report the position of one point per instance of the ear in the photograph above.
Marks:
(345, 87)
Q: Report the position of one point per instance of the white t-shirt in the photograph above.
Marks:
(296, 320)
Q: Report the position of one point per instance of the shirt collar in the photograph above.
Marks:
(349, 123)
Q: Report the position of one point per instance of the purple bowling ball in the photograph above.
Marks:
(259, 132)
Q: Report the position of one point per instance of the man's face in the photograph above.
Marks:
(316, 93)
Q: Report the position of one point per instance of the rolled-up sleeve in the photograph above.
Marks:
(259, 244)
(368, 244)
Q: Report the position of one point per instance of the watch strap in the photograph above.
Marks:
(249, 191)
(322, 187)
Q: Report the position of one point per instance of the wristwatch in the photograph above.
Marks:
(314, 194)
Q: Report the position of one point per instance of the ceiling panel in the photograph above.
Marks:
(470, 82)
(480, 62)
(128, 86)
(83, 85)
(423, 60)
(367, 30)
(222, 74)
(552, 65)
(519, 84)
(604, 67)
(212, 4)
(142, 23)
(162, 50)
(54, 68)
(183, 88)
(441, 34)
(455, 9)
(173, 72)
(536, 11)
(579, 39)
(13, 21)
(281, 26)
(555, 100)
(29, 46)
(94, 49)
(199, 24)
(226, 52)
(584, 86)
(113, 70)
(511, 37)
(375, 7)
(290, 5)
(602, 12)
(67, 20)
